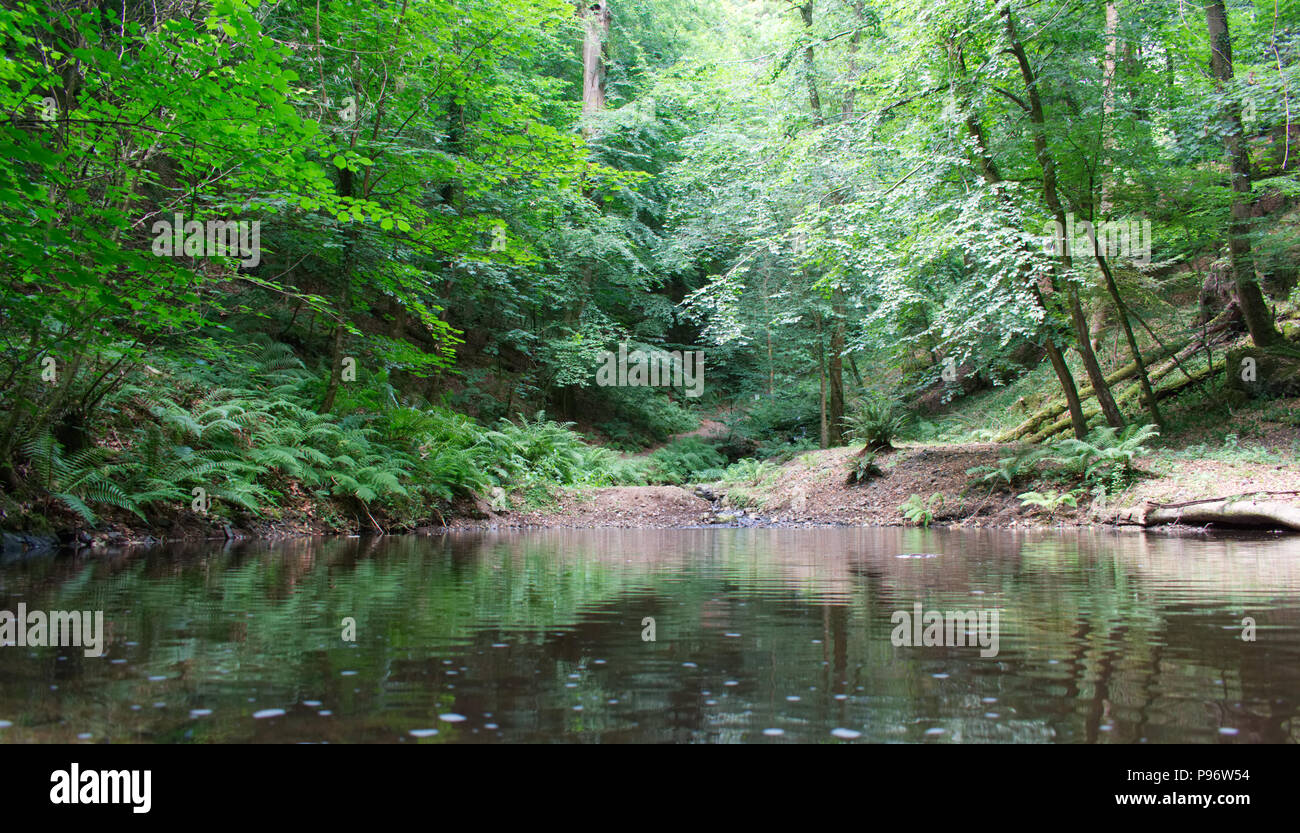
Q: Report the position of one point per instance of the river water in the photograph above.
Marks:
(759, 636)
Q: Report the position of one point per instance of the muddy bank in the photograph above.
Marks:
(814, 489)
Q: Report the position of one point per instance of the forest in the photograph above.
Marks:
(364, 266)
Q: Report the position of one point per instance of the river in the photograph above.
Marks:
(697, 635)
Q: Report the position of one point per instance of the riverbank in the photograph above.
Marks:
(1167, 485)
(814, 489)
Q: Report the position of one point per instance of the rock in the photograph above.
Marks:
(18, 545)
(1263, 372)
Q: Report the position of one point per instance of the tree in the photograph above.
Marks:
(1258, 318)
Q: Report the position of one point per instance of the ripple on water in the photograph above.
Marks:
(265, 713)
(846, 734)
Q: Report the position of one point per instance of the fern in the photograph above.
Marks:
(76, 481)
(919, 511)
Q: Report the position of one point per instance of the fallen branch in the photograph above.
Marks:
(1215, 499)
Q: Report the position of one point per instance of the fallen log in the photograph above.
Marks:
(1127, 397)
(1053, 410)
(1229, 512)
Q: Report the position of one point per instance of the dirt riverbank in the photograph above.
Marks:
(814, 489)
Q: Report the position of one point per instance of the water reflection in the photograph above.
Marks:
(761, 635)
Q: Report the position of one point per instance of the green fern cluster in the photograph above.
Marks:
(243, 427)
(1106, 457)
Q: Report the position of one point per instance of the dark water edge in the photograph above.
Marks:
(761, 635)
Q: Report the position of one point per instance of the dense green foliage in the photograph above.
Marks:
(842, 203)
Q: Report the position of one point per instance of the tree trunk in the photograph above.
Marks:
(595, 21)
(989, 171)
(1048, 165)
(1108, 108)
(821, 375)
(339, 342)
(835, 417)
(851, 93)
(810, 69)
(1258, 319)
(1122, 311)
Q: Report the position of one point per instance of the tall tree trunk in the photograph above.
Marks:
(595, 16)
(1048, 165)
(1258, 319)
(1108, 204)
(767, 326)
(835, 415)
(851, 93)
(832, 416)
(595, 21)
(338, 344)
(821, 377)
(1148, 393)
(1108, 108)
(989, 171)
(809, 66)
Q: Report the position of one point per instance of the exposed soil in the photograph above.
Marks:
(620, 506)
(814, 489)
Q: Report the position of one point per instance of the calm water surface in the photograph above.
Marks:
(761, 636)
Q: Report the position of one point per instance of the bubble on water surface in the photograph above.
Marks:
(451, 717)
(264, 713)
(423, 733)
